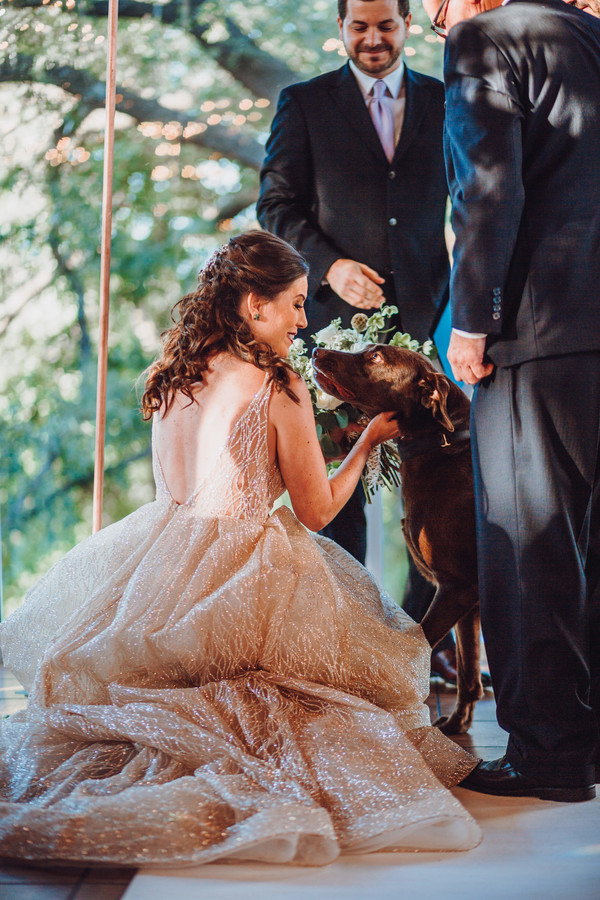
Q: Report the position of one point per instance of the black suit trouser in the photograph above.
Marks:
(536, 440)
(349, 527)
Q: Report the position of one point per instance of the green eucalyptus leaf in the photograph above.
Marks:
(342, 417)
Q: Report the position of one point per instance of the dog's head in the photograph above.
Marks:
(381, 378)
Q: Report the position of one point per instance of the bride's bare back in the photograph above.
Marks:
(191, 437)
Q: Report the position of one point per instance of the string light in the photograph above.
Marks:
(151, 129)
(160, 173)
(172, 130)
(80, 155)
(193, 128)
(168, 150)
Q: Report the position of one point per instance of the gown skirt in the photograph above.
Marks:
(207, 686)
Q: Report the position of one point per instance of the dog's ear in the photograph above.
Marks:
(434, 389)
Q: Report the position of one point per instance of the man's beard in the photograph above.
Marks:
(374, 68)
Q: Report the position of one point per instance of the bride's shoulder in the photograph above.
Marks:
(282, 405)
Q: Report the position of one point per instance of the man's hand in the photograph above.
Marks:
(465, 355)
(356, 283)
(589, 6)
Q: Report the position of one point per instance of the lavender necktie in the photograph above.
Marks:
(383, 118)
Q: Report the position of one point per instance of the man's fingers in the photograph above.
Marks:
(363, 294)
(371, 273)
(481, 370)
(356, 283)
(361, 300)
(473, 373)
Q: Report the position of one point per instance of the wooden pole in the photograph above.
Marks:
(107, 194)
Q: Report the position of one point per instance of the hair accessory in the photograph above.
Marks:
(256, 317)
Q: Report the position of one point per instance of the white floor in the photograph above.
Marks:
(531, 849)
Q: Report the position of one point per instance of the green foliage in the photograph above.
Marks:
(196, 96)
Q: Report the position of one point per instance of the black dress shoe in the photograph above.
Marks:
(498, 777)
(443, 665)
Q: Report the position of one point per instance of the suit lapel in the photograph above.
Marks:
(347, 96)
(417, 102)
(349, 99)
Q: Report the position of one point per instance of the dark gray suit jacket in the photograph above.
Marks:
(523, 157)
(328, 188)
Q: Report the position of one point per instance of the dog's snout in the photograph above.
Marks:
(320, 358)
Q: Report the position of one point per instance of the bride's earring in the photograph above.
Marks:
(256, 317)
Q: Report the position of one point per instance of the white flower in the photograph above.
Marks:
(326, 401)
(329, 333)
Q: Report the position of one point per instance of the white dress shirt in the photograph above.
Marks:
(395, 99)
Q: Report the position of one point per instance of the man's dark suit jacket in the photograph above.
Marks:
(523, 153)
(328, 188)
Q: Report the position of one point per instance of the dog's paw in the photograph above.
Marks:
(458, 722)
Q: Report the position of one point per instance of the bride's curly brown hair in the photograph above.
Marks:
(208, 320)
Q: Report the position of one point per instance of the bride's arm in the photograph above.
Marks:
(315, 498)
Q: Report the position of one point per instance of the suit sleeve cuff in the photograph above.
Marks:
(468, 334)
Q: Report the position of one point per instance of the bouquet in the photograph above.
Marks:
(332, 414)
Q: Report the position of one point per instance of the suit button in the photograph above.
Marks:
(392, 221)
(496, 316)
(391, 174)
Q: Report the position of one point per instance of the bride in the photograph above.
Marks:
(208, 681)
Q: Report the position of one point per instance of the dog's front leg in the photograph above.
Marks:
(469, 688)
(450, 603)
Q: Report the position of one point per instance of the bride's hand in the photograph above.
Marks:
(383, 427)
(346, 438)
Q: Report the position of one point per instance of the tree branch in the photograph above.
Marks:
(21, 297)
(259, 71)
(16, 518)
(237, 203)
(91, 91)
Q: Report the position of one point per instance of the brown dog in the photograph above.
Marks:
(437, 489)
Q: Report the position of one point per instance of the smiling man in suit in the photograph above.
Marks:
(366, 212)
(522, 138)
(354, 178)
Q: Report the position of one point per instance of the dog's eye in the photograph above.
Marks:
(376, 356)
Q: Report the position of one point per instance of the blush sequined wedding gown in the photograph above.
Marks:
(211, 682)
